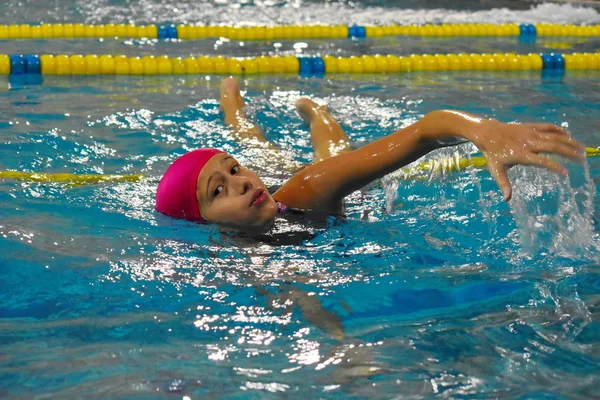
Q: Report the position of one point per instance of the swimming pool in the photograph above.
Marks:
(430, 288)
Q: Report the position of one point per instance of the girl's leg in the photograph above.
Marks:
(232, 105)
(328, 137)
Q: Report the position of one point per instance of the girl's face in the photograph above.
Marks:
(230, 194)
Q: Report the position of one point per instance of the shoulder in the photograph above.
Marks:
(299, 192)
(296, 192)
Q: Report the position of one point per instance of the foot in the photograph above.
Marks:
(308, 109)
(232, 105)
(232, 102)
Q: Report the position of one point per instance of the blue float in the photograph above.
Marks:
(17, 64)
(357, 31)
(318, 65)
(305, 65)
(172, 32)
(32, 64)
(559, 61)
(162, 32)
(527, 30)
(361, 32)
(553, 62)
(531, 31)
(547, 61)
(351, 32)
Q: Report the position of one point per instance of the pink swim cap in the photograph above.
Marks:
(176, 193)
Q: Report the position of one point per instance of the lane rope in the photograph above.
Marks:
(191, 32)
(74, 179)
(65, 64)
(443, 165)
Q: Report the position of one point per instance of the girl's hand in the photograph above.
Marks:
(506, 145)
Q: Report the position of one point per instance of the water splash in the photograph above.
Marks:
(436, 166)
(554, 213)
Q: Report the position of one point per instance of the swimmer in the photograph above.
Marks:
(211, 186)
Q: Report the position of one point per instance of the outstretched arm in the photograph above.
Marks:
(323, 185)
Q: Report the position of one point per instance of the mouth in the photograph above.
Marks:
(258, 198)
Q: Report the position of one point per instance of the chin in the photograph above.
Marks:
(259, 222)
(266, 219)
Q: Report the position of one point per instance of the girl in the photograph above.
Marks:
(208, 185)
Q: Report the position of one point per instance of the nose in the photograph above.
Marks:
(242, 184)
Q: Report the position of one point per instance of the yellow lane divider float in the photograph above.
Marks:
(187, 32)
(435, 166)
(68, 31)
(74, 179)
(452, 164)
(150, 65)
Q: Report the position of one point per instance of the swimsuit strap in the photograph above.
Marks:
(281, 208)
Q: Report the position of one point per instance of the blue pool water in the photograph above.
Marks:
(430, 288)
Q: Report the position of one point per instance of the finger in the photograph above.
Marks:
(501, 177)
(545, 162)
(564, 139)
(548, 128)
(558, 148)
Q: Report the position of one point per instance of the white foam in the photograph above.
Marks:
(153, 11)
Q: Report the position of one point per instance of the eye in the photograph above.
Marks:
(235, 169)
(218, 190)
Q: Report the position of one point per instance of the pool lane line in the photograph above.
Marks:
(73, 179)
(434, 166)
(63, 64)
(454, 164)
(278, 32)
